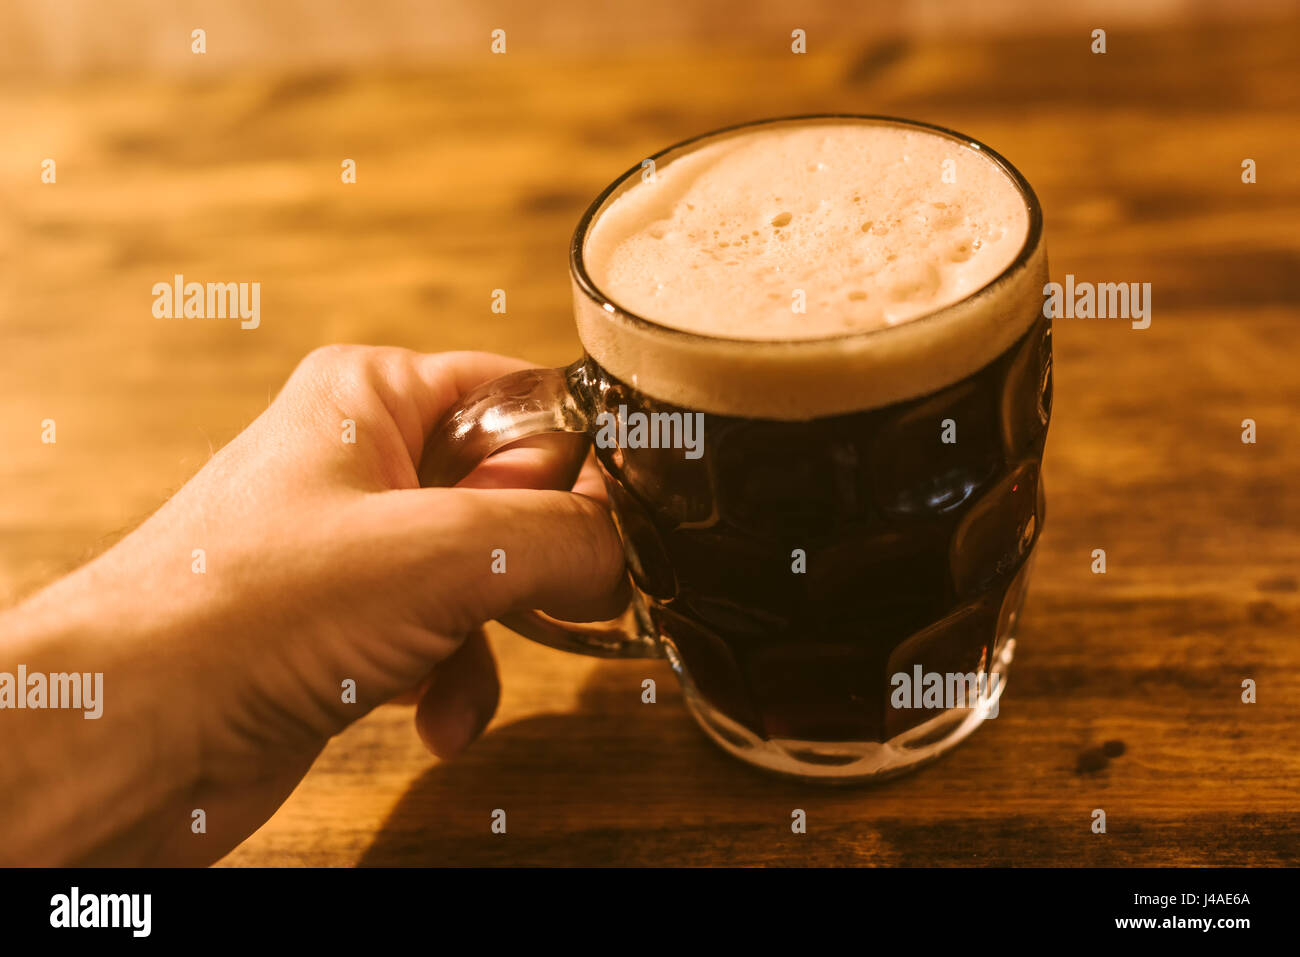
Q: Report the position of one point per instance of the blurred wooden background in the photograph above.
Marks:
(78, 37)
(472, 170)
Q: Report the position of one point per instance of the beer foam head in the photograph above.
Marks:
(800, 254)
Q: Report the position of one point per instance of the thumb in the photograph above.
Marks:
(494, 551)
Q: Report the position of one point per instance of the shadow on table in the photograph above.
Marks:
(594, 787)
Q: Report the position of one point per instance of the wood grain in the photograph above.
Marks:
(471, 174)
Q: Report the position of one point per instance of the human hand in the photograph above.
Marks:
(323, 561)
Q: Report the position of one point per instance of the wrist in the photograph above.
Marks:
(99, 749)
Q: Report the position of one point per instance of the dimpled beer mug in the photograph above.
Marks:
(817, 377)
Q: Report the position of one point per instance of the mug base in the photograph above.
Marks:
(847, 762)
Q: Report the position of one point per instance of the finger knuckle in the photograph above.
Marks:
(341, 370)
(332, 356)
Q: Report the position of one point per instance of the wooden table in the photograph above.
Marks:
(471, 175)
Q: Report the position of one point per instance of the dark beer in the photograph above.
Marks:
(796, 567)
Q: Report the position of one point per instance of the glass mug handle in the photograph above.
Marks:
(496, 414)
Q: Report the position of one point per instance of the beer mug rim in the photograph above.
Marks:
(584, 282)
